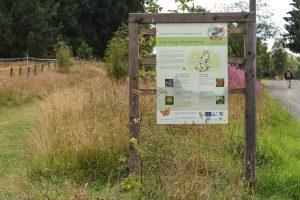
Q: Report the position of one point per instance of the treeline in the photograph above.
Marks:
(273, 63)
(34, 26)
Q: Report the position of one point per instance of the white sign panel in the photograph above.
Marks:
(192, 73)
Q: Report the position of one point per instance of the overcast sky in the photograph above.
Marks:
(278, 7)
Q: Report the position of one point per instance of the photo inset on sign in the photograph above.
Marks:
(220, 100)
(220, 82)
(169, 100)
(169, 82)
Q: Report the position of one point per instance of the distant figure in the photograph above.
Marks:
(288, 75)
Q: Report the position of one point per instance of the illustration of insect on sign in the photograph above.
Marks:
(192, 73)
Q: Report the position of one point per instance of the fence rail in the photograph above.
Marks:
(27, 58)
(28, 69)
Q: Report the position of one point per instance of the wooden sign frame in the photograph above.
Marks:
(249, 60)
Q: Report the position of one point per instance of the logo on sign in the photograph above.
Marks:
(207, 114)
(214, 114)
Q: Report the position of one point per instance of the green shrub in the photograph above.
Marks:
(85, 50)
(116, 54)
(63, 55)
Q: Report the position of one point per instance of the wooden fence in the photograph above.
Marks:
(33, 69)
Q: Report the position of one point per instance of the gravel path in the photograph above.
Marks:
(289, 98)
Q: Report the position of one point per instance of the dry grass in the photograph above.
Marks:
(80, 131)
(188, 162)
(16, 63)
(82, 134)
(15, 90)
(18, 89)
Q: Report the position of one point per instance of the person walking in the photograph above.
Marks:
(288, 75)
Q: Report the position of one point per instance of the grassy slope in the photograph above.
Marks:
(15, 123)
(279, 167)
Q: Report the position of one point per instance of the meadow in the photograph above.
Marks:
(65, 136)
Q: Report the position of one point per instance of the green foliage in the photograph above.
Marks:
(264, 61)
(266, 27)
(279, 57)
(63, 56)
(297, 74)
(278, 155)
(292, 38)
(116, 54)
(85, 50)
(131, 183)
(151, 6)
(32, 26)
(188, 6)
(185, 5)
(28, 27)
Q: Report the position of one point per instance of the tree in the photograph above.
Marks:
(63, 55)
(151, 6)
(185, 5)
(116, 54)
(293, 28)
(5, 35)
(264, 61)
(188, 6)
(294, 64)
(85, 50)
(34, 26)
(266, 27)
(99, 19)
(30, 28)
(279, 57)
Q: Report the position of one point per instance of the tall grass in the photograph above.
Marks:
(16, 63)
(15, 90)
(80, 132)
(18, 89)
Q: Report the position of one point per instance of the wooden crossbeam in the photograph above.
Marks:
(154, 91)
(152, 31)
(152, 18)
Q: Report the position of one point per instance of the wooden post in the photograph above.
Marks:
(20, 71)
(250, 74)
(48, 66)
(250, 98)
(11, 71)
(42, 68)
(35, 69)
(28, 71)
(134, 162)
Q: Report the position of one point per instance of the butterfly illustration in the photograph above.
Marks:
(217, 33)
(203, 62)
(165, 112)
